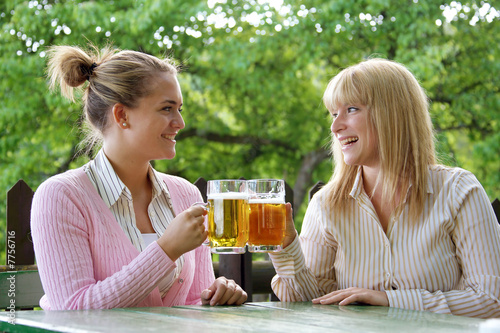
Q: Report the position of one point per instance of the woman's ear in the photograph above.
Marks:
(120, 115)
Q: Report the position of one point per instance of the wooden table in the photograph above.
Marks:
(251, 317)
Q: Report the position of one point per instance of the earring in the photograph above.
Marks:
(124, 124)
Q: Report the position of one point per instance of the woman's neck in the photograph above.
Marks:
(133, 173)
(383, 206)
(370, 176)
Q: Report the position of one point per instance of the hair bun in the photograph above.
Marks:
(88, 71)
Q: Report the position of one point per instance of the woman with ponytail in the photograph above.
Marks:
(116, 232)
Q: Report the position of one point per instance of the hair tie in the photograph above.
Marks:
(89, 71)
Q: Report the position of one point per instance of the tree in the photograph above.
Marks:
(254, 74)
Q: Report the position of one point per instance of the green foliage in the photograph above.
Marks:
(253, 79)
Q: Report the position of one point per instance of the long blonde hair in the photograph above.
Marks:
(114, 76)
(398, 109)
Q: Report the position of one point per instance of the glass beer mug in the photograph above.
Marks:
(227, 215)
(267, 216)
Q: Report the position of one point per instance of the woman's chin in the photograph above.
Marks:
(166, 156)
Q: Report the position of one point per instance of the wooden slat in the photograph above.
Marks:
(496, 208)
(289, 195)
(262, 274)
(238, 267)
(201, 184)
(315, 189)
(19, 199)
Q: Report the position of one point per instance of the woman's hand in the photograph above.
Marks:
(351, 295)
(185, 233)
(223, 292)
(290, 232)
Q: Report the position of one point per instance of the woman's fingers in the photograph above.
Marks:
(224, 291)
(351, 295)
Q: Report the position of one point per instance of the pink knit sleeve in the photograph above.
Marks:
(184, 194)
(204, 275)
(66, 260)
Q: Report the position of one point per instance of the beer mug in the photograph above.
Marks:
(267, 216)
(227, 216)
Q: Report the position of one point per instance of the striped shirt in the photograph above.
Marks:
(448, 261)
(119, 200)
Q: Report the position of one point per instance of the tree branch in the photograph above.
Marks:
(241, 139)
(309, 162)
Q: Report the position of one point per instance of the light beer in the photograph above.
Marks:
(228, 222)
(267, 220)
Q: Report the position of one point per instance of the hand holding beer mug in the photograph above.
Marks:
(227, 215)
(267, 217)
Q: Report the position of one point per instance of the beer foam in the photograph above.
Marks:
(267, 200)
(228, 195)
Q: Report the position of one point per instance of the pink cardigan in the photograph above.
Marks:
(86, 261)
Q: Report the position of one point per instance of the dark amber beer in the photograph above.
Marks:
(266, 225)
(267, 217)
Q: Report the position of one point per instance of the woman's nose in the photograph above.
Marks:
(178, 121)
(337, 123)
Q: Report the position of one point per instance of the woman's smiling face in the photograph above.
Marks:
(351, 128)
(157, 119)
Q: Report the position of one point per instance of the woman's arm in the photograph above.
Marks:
(203, 276)
(305, 267)
(62, 240)
(476, 235)
(477, 239)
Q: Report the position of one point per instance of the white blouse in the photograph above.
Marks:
(448, 261)
(119, 200)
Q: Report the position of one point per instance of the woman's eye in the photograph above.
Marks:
(351, 109)
(167, 108)
(180, 110)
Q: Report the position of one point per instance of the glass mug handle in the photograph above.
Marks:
(207, 206)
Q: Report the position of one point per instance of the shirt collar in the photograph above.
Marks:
(108, 181)
(357, 188)
(159, 186)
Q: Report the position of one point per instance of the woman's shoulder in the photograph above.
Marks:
(70, 180)
(445, 171)
(71, 186)
(452, 178)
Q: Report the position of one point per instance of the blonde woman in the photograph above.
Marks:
(391, 227)
(116, 232)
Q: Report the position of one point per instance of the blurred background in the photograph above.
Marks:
(253, 78)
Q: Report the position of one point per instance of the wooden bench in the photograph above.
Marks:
(19, 276)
